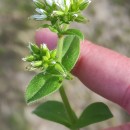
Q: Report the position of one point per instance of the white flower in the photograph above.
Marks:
(60, 3)
(61, 10)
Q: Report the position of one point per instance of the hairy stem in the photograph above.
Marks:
(59, 48)
(71, 114)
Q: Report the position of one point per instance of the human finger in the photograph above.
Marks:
(102, 70)
(105, 72)
(47, 37)
(122, 127)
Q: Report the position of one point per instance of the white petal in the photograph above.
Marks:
(68, 3)
(50, 2)
(76, 15)
(40, 11)
(35, 1)
(53, 62)
(88, 1)
(39, 17)
(44, 46)
(60, 4)
(23, 59)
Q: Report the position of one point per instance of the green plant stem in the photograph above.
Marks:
(59, 48)
(68, 108)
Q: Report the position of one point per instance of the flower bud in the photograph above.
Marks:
(53, 53)
(56, 13)
(39, 4)
(53, 62)
(60, 69)
(45, 59)
(45, 65)
(44, 48)
(33, 48)
(48, 54)
(84, 4)
(36, 64)
(29, 58)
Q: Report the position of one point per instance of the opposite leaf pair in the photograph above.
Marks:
(55, 111)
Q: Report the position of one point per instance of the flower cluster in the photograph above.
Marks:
(46, 60)
(60, 11)
(41, 57)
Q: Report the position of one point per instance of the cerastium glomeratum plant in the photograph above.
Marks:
(56, 65)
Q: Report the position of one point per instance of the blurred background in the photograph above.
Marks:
(109, 26)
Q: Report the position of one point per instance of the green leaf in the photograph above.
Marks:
(53, 111)
(42, 85)
(94, 113)
(71, 50)
(84, 5)
(75, 32)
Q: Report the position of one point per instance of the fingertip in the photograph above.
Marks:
(47, 37)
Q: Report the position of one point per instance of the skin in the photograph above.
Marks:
(102, 70)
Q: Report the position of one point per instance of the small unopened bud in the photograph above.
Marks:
(44, 48)
(53, 54)
(36, 63)
(28, 58)
(84, 4)
(33, 48)
(39, 4)
(53, 62)
(55, 13)
(75, 15)
(45, 65)
(48, 54)
(45, 59)
(60, 69)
